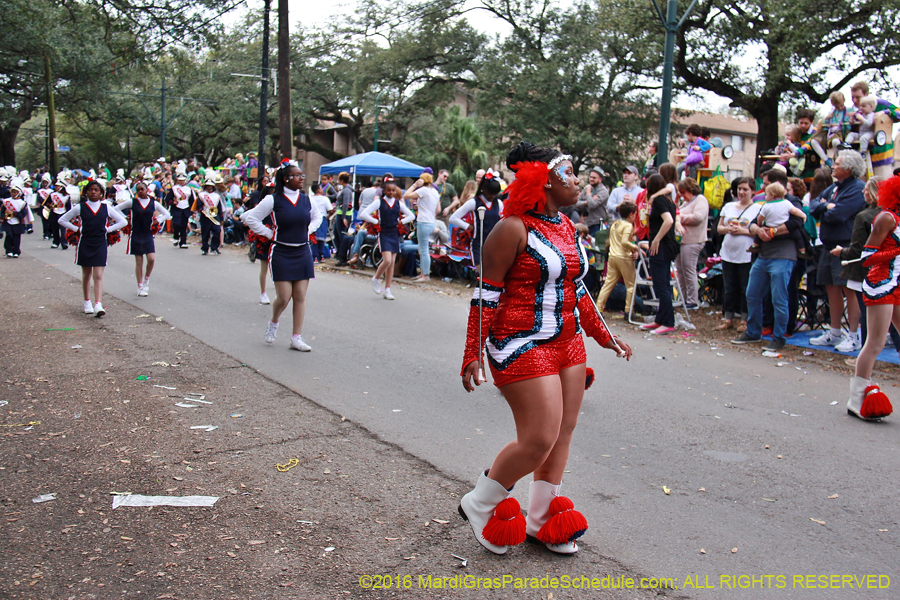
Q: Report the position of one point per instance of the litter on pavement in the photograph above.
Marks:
(139, 500)
(44, 498)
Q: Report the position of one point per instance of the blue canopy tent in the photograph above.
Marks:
(372, 164)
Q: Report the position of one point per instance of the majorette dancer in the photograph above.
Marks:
(290, 257)
(881, 293)
(389, 208)
(91, 249)
(179, 200)
(533, 306)
(140, 238)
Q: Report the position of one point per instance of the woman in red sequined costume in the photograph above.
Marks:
(533, 310)
(881, 294)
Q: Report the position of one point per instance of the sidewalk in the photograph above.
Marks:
(83, 422)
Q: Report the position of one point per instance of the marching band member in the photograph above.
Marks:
(260, 246)
(45, 204)
(389, 208)
(15, 212)
(180, 199)
(486, 196)
(59, 204)
(140, 239)
(211, 207)
(290, 257)
(531, 308)
(90, 252)
(121, 192)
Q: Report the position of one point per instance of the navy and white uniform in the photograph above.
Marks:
(59, 204)
(140, 241)
(179, 199)
(294, 217)
(213, 204)
(491, 218)
(91, 249)
(13, 217)
(388, 217)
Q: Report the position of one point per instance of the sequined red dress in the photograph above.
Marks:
(881, 284)
(533, 320)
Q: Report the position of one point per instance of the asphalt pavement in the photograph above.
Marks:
(732, 474)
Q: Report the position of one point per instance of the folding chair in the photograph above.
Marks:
(643, 278)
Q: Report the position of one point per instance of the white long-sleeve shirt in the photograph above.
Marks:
(456, 219)
(119, 220)
(366, 214)
(164, 215)
(253, 218)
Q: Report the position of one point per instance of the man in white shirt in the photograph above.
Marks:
(627, 192)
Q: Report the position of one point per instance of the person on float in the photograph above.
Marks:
(294, 217)
(211, 206)
(91, 249)
(140, 239)
(390, 206)
(533, 308)
(881, 295)
(14, 215)
(485, 196)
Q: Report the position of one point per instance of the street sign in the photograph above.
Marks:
(63, 149)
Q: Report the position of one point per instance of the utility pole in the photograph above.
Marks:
(672, 24)
(162, 122)
(47, 142)
(284, 81)
(375, 145)
(51, 118)
(264, 94)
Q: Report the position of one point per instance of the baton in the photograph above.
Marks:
(481, 211)
(847, 262)
(619, 350)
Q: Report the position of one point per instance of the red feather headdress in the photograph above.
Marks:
(527, 192)
(889, 194)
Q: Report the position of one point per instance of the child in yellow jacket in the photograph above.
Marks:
(622, 254)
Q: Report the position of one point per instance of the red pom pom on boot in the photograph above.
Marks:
(876, 404)
(867, 401)
(507, 526)
(495, 518)
(552, 519)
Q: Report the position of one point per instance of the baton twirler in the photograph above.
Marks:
(619, 351)
(481, 211)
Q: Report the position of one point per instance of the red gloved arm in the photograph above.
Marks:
(590, 322)
(872, 256)
(489, 293)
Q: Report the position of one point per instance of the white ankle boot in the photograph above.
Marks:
(489, 507)
(867, 399)
(568, 524)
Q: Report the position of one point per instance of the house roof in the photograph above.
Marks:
(722, 123)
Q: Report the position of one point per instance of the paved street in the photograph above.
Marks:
(750, 451)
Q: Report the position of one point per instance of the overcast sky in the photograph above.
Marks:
(310, 13)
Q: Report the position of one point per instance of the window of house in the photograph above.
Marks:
(737, 142)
